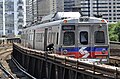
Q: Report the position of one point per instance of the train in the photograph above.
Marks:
(70, 34)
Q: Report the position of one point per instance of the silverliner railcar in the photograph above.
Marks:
(72, 35)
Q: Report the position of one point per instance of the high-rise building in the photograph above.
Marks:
(35, 9)
(1, 17)
(31, 11)
(11, 17)
(19, 16)
(109, 9)
(28, 4)
(68, 5)
(84, 5)
(7, 17)
(46, 7)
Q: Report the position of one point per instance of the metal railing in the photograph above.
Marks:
(114, 42)
(72, 63)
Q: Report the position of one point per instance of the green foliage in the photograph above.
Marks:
(114, 31)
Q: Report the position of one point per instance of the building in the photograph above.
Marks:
(31, 11)
(68, 5)
(11, 17)
(7, 17)
(36, 9)
(46, 7)
(20, 16)
(1, 17)
(109, 9)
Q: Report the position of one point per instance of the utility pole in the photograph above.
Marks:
(3, 17)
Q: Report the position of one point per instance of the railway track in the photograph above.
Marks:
(9, 68)
(115, 60)
(4, 72)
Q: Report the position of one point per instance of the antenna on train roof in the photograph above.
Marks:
(60, 15)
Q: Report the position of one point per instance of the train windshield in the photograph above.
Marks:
(84, 37)
(99, 37)
(69, 38)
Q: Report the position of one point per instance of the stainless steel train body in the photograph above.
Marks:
(82, 37)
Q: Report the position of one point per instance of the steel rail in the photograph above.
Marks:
(17, 65)
(2, 66)
(6, 71)
(8, 50)
(21, 68)
(114, 42)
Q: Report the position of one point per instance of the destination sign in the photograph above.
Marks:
(68, 27)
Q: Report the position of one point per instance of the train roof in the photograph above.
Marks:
(60, 15)
(83, 20)
(68, 17)
(45, 24)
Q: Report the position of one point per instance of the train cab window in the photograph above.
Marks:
(99, 37)
(84, 37)
(69, 38)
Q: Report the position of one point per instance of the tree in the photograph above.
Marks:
(117, 30)
(114, 31)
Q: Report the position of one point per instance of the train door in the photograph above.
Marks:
(45, 38)
(84, 41)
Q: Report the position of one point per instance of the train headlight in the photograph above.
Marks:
(65, 21)
(81, 19)
(64, 51)
(103, 51)
(86, 19)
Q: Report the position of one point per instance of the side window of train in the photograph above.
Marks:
(53, 37)
(39, 37)
(31, 36)
(84, 37)
(99, 37)
(49, 37)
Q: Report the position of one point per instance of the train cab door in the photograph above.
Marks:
(84, 41)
